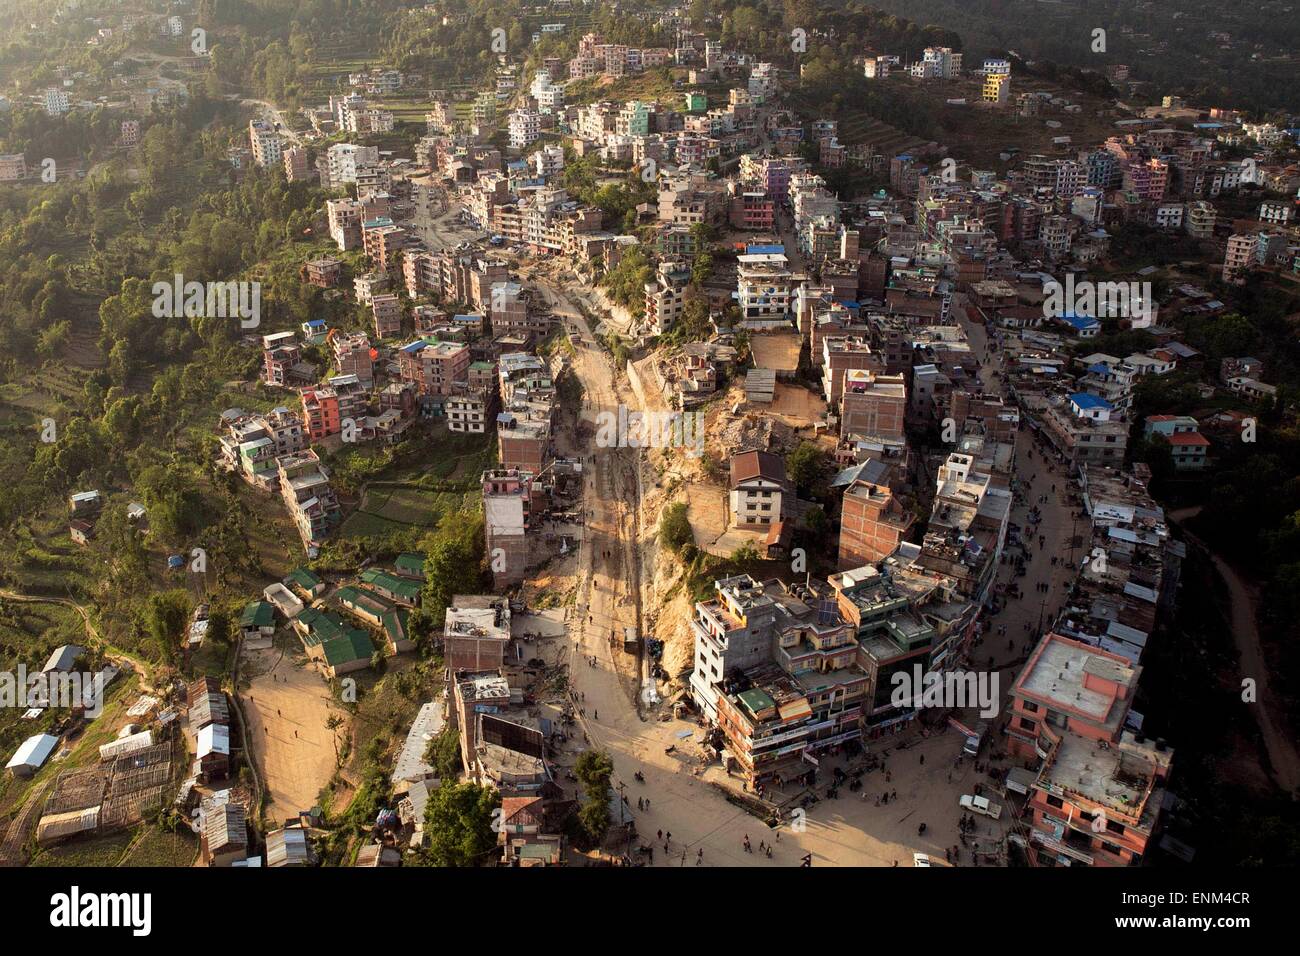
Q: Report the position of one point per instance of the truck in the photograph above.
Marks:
(981, 805)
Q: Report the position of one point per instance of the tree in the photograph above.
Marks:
(443, 754)
(805, 465)
(332, 723)
(675, 528)
(459, 820)
(593, 770)
(165, 618)
(454, 563)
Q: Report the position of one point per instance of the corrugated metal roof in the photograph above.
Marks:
(54, 826)
(33, 752)
(126, 745)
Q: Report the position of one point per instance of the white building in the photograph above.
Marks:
(265, 142)
(937, 63)
(56, 101)
(524, 128)
(343, 159)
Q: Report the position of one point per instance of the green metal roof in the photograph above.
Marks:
(410, 590)
(411, 563)
(257, 614)
(756, 699)
(322, 625)
(352, 645)
(304, 579)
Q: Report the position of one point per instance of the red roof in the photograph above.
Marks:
(1188, 438)
(757, 464)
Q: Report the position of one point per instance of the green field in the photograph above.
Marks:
(160, 848)
(388, 509)
(97, 852)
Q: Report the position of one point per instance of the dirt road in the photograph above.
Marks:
(685, 798)
(1244, 601)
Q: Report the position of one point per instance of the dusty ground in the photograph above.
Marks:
(775, 350)
(287, 704)
(797, 406)
(707, 510)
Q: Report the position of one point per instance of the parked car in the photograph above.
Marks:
(981, 805)
(920, 859)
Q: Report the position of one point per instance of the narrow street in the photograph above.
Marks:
(1043, 483)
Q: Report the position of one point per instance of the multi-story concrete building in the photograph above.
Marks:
(873, 406)
(344, 222)
(733, 632)
(665, 295)
(757, 489)
(524, 127)
(468, 411)
(343, 160)
(997, 85)
(387, 313)
(296, 166)
(56, 101)
(1200, 219)
(320, 412)
(507, 519)
(1098, 793)
(872, 524)
(13, 167)
(765, 287)
(1239, 258)
(265, 143)
(937, 62)
(306, 490)
(436, 368)
(352, 355)
(1083, 431)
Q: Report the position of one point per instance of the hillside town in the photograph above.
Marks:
(639, 460)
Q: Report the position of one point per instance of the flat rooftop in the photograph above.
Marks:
(1056, 674)
(1120, 777)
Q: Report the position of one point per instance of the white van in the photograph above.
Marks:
(973, 741)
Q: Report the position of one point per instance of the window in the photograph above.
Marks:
(1114, 827)
(1026, 724)
(1030, 706)
(1055, 802)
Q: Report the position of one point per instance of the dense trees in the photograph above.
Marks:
(459, 820)
(594, 770)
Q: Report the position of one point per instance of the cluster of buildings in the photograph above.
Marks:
(1095, 785)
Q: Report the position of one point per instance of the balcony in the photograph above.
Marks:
(1056, 846)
